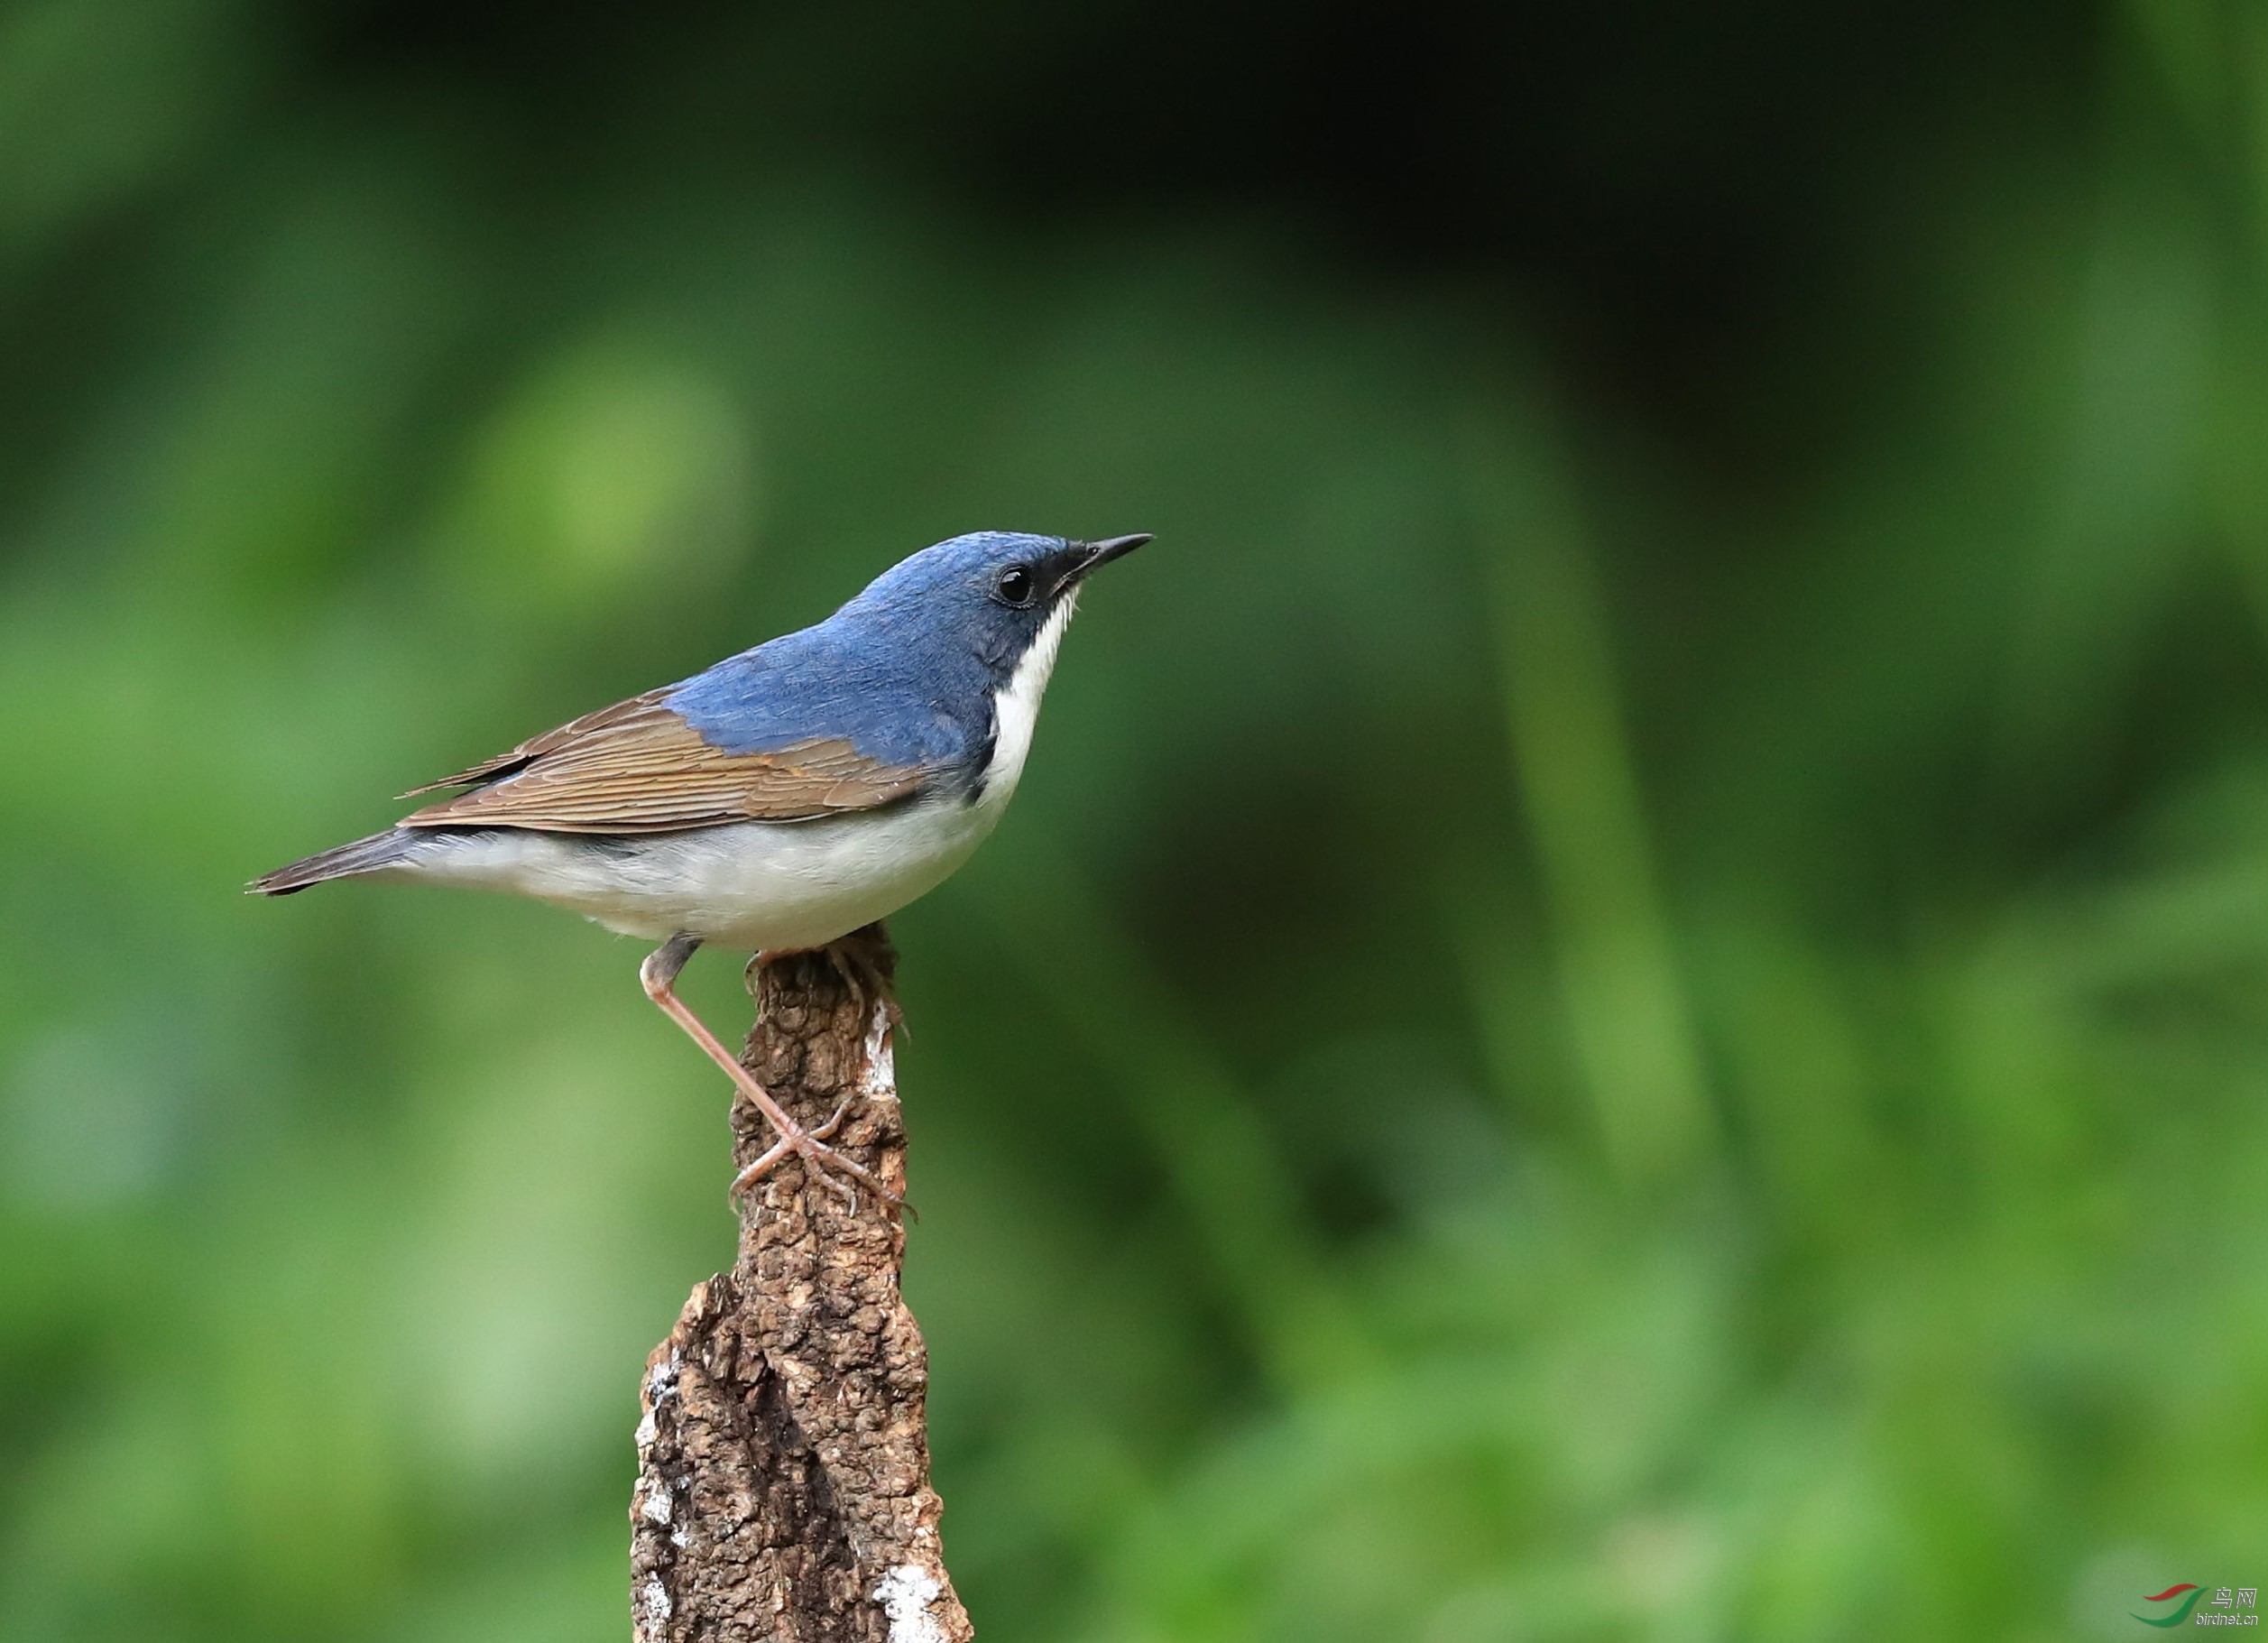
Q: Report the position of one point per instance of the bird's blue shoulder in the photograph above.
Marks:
(863, 685)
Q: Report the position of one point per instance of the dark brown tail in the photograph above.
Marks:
(340, 862)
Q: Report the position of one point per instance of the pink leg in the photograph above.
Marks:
(659, 974)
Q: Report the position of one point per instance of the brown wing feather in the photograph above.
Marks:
(636, 767)
(551, 741)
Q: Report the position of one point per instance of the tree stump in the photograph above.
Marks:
(783, 1457)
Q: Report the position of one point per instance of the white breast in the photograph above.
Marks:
(762, 885)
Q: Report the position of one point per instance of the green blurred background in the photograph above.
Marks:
(1628, 997)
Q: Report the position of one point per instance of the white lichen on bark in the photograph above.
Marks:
(907, 1595)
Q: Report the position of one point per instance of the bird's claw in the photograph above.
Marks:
(822, 1161)
(852, 965)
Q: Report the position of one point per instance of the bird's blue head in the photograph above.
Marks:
(910, 672)
(993, 591)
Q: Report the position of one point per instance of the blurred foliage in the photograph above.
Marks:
(1629, 997)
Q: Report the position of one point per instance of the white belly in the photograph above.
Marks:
(749, 886)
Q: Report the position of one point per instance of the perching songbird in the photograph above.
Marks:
(779, 801)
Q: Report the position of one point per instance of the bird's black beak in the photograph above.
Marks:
(1102, 553)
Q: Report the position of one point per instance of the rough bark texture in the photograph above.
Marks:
(783, 1460)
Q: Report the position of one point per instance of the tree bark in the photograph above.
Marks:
(783, 1457)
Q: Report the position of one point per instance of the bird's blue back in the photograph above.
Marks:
(905, 672)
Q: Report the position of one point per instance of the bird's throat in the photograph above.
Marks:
(1016, 706)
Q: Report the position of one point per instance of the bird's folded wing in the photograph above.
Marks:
(636, 767)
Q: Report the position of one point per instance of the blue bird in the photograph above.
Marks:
(779, 801)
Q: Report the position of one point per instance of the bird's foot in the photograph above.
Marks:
(853, 961)
(822, 1161)
(853, 964)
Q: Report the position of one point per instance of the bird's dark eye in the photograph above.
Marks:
(1017, 586)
